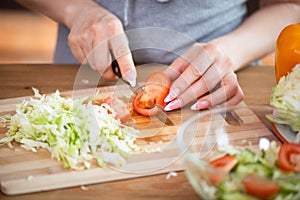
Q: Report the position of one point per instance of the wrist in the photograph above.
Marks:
(74, 9)
(70, 11)
(226, 47)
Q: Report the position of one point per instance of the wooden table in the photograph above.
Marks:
(17, 80)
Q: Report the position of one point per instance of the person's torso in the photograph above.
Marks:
(160, 30)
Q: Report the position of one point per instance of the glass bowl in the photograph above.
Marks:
(207, 135)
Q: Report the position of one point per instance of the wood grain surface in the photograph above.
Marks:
(48, 174)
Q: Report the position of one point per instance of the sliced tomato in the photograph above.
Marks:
(144, 107)
(156, 89)
(215, 177)
(259, 187)
(289, 157)
(158, 78)
(119, 107)
(108, 100)
(225, 164)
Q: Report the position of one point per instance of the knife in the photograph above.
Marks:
(162, 115)
(232, 118)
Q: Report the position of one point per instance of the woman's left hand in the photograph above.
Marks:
(205, 74)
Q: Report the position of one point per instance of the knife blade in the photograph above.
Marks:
(232, 118)
(162, 115)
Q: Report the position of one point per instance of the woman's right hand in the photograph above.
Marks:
(95, 33)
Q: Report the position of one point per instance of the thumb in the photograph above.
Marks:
(120, 48)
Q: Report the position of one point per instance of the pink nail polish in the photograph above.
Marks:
(172, 95)
(173, 105)
(131, 77)
(200, 105)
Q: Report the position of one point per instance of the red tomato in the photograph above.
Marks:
(215, 177)
(144, 107)
(259, 187)
(108, 100)
(289, 157)
(158, 78)
(225, 164)
(119, 107)
(156, 89)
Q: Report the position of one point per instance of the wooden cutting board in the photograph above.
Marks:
(23, 171)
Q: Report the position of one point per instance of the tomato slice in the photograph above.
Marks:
(119, 107)
(289, 157)
(147, 108)
(259, 187)
(225, 164)
(108, 100)
(156, 89)
(158, 78)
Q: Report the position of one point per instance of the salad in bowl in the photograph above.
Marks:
(239, 161)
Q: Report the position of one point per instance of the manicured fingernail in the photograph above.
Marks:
(173, 105)
(200, 105)
(172, 95)
(132, 83)
(131, 77)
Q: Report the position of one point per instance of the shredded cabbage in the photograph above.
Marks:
(74, 131)
(286, 95)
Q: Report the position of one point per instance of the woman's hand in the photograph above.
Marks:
(95, 33)
(203, 73)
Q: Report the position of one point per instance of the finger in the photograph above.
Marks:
(207, 73)
(76, 49)
(100, 58)
(192, 73)
(229, 92)
(181, 63)
(94, 43)
(120, 48)
(191, 84)
(192, 93)
(108, 74)
(178, 66)
(235, 99)
(212, 78)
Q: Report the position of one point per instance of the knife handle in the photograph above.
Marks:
(116, 68)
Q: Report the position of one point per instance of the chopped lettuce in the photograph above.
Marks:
(286, 95)
(74, 131)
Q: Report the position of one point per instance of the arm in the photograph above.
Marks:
(262, 29)
(94, 34)
(205, 73)
(64, 11)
